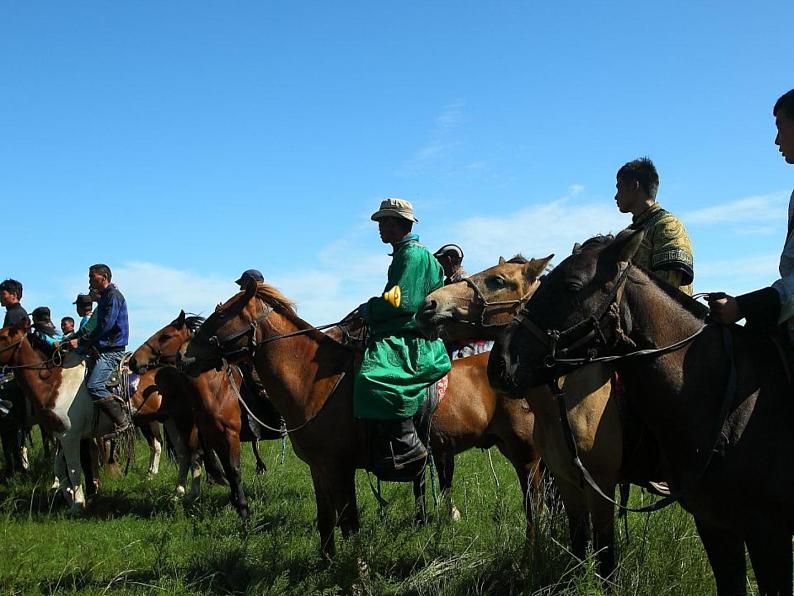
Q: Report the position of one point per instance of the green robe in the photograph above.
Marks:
(399, 363)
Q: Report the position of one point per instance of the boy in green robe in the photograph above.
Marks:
(399, 362)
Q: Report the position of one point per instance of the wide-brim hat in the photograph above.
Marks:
(83, 300)
(395, 208)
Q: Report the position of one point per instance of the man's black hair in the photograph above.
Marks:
(102, 270)
(405, 225)
(643, 171)
(12, 286)
(785, 105)
(67, 319)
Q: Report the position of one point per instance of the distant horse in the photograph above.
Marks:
(308, 376)
(481, 307)
(207, 405)
(717, 400)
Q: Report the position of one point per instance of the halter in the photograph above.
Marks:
(159, 359)
(560, 344)
(482, 301)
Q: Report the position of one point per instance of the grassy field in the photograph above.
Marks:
(136, 539)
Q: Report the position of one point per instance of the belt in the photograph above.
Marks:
(111, 350)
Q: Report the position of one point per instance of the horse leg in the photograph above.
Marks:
(151, 432)
(573, 499)
(529, 478)
(445, 466)
(182, 458)
(88, 461)
(326, 513)
(770, 554)
(419, 498)
(725, 551)
(261, 468)
(345, 501)
(227, 444)
(71, 453)
(602, 516)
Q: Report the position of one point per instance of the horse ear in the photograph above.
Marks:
(502, 260)
(180, 320)
(21, 326)
(577, 248)
(626, 244)
(249, 288)
(536, 267)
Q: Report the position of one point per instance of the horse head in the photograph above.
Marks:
(162, 347)
(234, 330)
(478, 307)
(571, 315)
(11, 339)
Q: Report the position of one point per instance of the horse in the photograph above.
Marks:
(716, 399)
(481, 307)
(308, 376)
(473, 310)
(205, 407)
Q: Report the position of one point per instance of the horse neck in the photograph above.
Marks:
(41, 384)
(655, 385)
(298, 373)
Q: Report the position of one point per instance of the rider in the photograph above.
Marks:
(67, 325)
(666, 250)
(399, 362)
(450, 256)
(108, 341)
(11, 397)
(43, 327)
(769, 306)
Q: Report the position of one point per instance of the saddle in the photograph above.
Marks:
(399, 448)
(122, 382)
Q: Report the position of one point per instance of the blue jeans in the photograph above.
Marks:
(103, 367)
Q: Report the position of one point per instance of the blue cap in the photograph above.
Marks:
(254, 274)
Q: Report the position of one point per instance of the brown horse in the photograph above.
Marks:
(718, 401)
(206, 406)
(308, 376)
(482, 307)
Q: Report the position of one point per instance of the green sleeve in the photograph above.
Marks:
(417, 273)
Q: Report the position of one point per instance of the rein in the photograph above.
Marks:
(238, 394)
(570, 440)
(55, 360)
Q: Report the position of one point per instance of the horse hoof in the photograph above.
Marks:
(455, 514)
(261, 470)
(56, 485)
(243, 512)
(180, 492)
(77, 509)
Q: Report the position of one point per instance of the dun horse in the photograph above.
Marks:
(482, 307)
(308, 376)
(717, 402)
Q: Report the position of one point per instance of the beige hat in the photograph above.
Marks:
(395, 208)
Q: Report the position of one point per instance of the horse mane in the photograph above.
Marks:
(193, 322)
(273, 296)
(682, 298)
(594, 242)
(40, 345)
(519, 259)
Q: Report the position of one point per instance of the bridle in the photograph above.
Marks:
(483, 302)
(159, 359)
(588, 334)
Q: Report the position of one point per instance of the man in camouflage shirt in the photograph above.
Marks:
(666, 250)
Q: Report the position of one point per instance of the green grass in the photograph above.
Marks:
(136, 539)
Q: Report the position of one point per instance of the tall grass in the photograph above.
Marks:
(136, 538)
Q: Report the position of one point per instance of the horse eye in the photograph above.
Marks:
(574, 285)
(499, 282)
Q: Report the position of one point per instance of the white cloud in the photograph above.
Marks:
(440, 141)
(758, 209)
(737, 276)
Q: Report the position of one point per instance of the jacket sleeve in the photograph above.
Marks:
(672, 251)
(105, 321)
(410, 271)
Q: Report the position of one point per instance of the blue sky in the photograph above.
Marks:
(183, 142)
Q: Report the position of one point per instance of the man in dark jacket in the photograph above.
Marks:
(12, 401)
(108, 342)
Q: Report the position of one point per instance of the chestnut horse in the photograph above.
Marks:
(207, 405)
(482, 307)
(717, 400)
(308, 376)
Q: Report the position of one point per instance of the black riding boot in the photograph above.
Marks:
(116, 412)
(397, 452)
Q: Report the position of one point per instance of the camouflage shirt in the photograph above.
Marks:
(666, 250)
